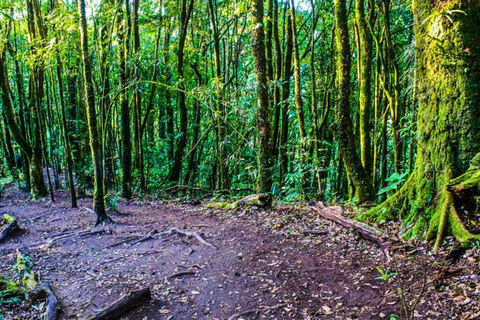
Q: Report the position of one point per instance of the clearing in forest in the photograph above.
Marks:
(263, 264)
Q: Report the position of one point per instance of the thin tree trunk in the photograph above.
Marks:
(95, 147)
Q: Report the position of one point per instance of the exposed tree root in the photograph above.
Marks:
(11, 225)
(427, 215)
(47, 243)
(125, 304)
(193, 234)
(53, 306)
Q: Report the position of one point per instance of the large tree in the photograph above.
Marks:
(448, 78)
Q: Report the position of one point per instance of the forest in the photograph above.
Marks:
(239, 159)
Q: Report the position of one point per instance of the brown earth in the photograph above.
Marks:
(264, 267)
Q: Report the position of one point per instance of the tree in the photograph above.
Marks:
(95, 147)
(364, 82)
(264, 154)
(448, 76)
(186, 13)
(343, 127)
(123, 49)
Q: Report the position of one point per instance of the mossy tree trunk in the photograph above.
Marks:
(95, 147)
(264, 155)
(123, 34)
(364, 82)
(448, 74)
(344, 128)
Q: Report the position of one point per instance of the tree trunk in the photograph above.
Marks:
(344, 128)
(95, 147)
(123, 40)
(285, 96)
(186, 13)
(364, 52)
(448, 72)
(264, 155)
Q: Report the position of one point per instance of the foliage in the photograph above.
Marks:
(394, 181)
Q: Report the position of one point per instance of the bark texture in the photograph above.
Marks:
(448, 68)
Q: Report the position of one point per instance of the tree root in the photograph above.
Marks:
(193, 234)
(425, 217)
(52, 302)
(123, 305)
(50, 241)
(11, 225)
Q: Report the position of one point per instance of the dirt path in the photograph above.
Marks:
(260, 268)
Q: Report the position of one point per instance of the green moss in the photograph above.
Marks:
(7, 219)
(221, 205)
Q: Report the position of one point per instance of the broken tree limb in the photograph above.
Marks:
(193, 234)
(11, 225)
(53, 306)
(128, 302)
(181, 274)
(367, 232)
(315, 232)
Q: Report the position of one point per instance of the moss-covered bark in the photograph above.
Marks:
(264, 155)
(95, 147)
(344, 129)
(448, 77)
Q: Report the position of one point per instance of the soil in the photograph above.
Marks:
(263, 267)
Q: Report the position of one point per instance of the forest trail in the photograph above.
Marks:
(263, 267)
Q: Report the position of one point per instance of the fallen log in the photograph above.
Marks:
(367, 232)
(11, 225)
(53, 306)
(128, 302)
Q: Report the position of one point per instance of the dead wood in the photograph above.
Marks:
(250, 314)
(193, 234)
(315, 232)
(53, 306)
(128, 302)
(181, 274)
(367, 232)
(8, 228)
(263, 200)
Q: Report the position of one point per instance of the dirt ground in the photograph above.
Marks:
(263, 267)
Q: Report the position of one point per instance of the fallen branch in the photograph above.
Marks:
(123, 305)
(315, 232)
(180, 274)
(193, 234)
(52, 302)
(9, 227)
(367, 232)
(250, 314)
